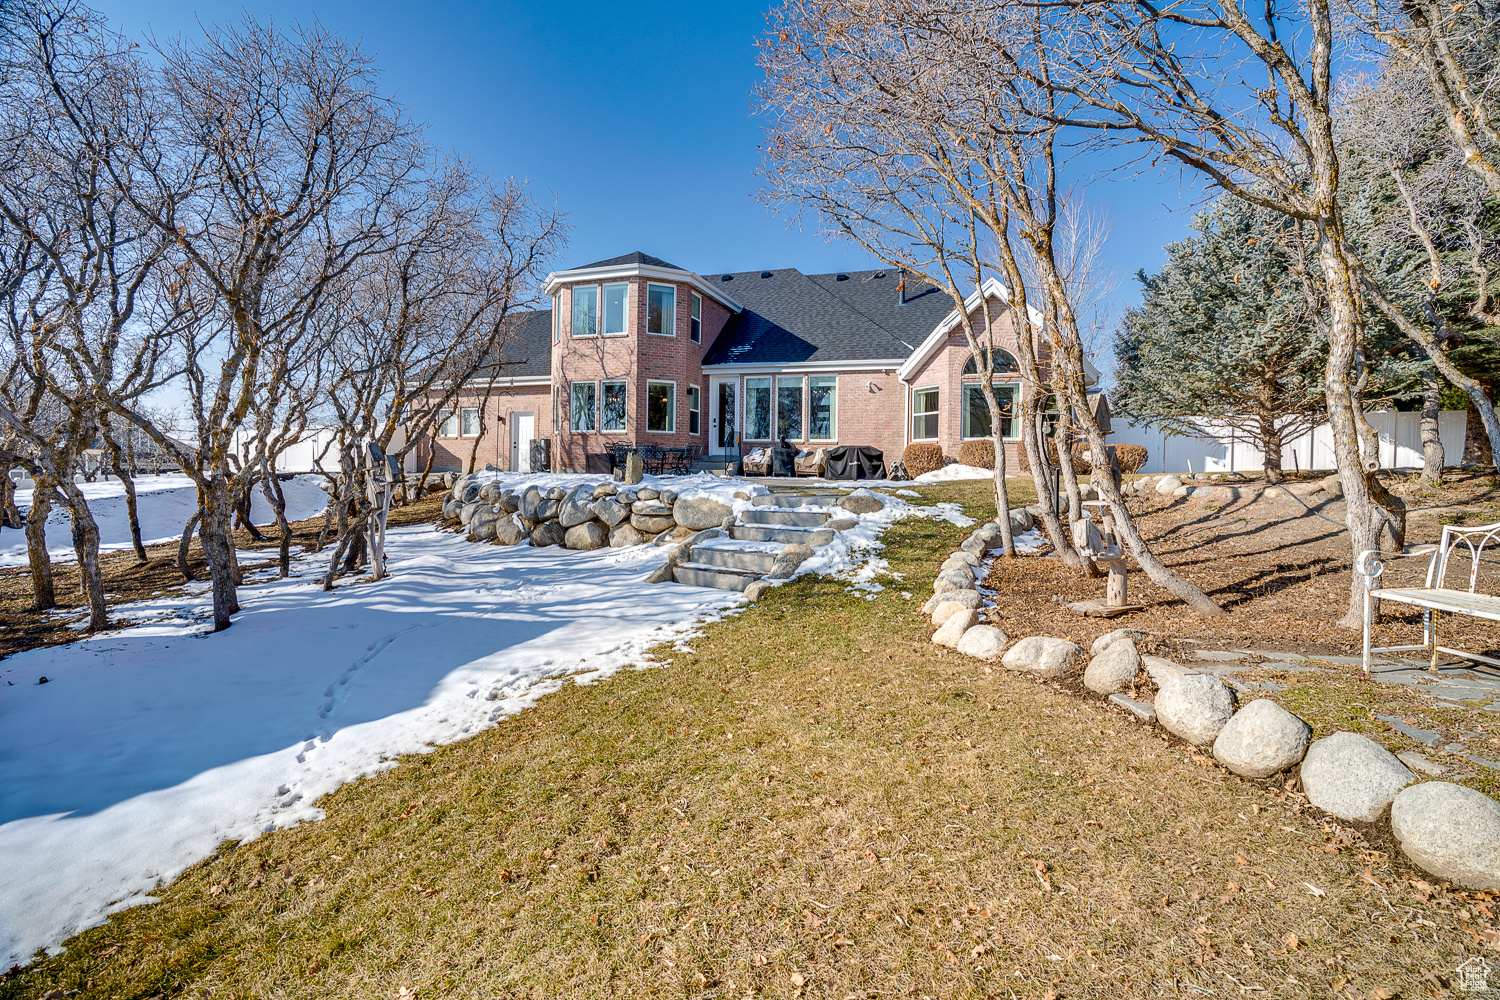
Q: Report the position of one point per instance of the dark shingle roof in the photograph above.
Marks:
(527, 347)
(630, 258)
(790, 317)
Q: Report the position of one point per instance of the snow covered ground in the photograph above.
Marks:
(148, 746)
(163, 503)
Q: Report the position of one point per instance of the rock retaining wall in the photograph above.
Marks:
(1447, 830)
(584, 517)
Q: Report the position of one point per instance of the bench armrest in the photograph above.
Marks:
(1371, 562)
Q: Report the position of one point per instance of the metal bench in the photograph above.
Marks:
(1434, 597)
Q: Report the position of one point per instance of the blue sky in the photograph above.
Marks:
(636, 117)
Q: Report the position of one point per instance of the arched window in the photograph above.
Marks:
(1003, 359)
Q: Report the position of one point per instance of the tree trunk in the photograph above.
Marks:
(1270, 446)
(426, 471)
(86, 545)
(1432, 440)
(1002, 495)
(1476, 450)
(43, 595)
(1344, 329)
(216, 535)
(128, 481)
(183, 543)
(271, 486)
(242, 506)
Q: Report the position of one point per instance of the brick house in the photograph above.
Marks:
(635, 349)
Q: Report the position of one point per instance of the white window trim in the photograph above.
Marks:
(623, 426)
(964, 388)
(915, 413)
(671, 411)
(598, 313)
(443, 417)
(583, 430)
(833, 410)
(802, 406)
(557, 319)
(478, 421)
(691, 409)
(745, 405)
(673, 290)
(695, 315)
(609, 284)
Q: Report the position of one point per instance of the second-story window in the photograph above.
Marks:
(661, 310)
(585, 311)
(556, 318)
(695, 314)
(615, 297)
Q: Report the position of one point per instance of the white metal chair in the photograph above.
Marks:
(1435, 596)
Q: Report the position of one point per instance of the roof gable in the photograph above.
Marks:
(630, 258)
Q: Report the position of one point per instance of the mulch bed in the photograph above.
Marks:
(1281, 572)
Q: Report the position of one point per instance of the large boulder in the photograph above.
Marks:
(1044, 656)
(530, 500)
(1194, 707)
(547, 509)
(947, 609)
(611, 511)
(1450, 831)
(470, 491)
(554, 493)
(652, 517)
(792, 555)
(954, 628)
(1021, 521)
(962, 579)
(489, 492)
(647, 493)
(605, 489)
(576, 508)
(1261, 739)
(588, 535)
(509, 502)
(466, 514)
(968, 558)
(1167, 485)
(1114, 669)
(508, 532)
(983, 642)
(451, 510)
(547, 533)
(698, 513)
(962, 598)
(1352, 777)
(861, 502)
(625, 534)
(1103, 642)
(482, 524)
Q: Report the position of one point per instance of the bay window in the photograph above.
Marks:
(615, 297)
(581, 412)
(585, 311)
(613, 414)
(661, 406)
(661, 310)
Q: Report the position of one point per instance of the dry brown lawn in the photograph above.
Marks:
(813, 802)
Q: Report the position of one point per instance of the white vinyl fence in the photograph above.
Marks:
(1218, 450)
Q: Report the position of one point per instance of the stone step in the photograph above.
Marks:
(786, 535)
(797, 499)
(795, 518)
(713, 577)
(748, 560)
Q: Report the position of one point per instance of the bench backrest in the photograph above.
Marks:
(1466, 542)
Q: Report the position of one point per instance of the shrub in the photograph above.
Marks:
(922, 457)
(1132, 457)
(980, 454)
(1079, 455)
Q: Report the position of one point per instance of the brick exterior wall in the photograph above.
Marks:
(638, 358)
(452, 453)
(944, 371)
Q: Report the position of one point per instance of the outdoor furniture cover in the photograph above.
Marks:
(758, 462)
(810, 463)
(852, 461)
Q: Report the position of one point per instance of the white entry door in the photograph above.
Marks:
(522, 430)
(723, 416)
